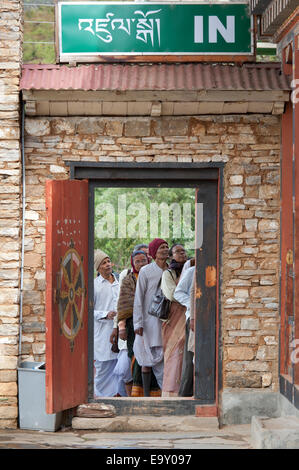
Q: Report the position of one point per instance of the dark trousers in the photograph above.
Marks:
(186, 387)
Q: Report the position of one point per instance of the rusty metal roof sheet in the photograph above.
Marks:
(162, 77)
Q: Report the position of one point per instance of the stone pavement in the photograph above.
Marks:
(205, 437)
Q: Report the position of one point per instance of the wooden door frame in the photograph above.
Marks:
(186, 175)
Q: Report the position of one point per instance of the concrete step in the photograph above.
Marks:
(139, 423)
(275, 433)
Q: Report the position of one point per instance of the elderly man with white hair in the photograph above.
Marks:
(106, 291)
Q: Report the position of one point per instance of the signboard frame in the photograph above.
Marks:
(92, 57)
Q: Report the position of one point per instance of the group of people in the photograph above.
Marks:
(135, 353)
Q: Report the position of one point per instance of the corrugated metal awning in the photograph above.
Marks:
(160, 77)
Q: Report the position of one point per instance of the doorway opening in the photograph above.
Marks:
(126, 221)
(205, 183)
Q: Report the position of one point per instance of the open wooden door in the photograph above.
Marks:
(66, 294)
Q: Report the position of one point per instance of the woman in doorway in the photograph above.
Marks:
(125, 323)
(173, 329)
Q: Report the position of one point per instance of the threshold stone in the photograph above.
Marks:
(147, 423)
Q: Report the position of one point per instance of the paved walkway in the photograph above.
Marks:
(229, 437)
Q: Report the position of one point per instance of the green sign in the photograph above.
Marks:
(131, 28)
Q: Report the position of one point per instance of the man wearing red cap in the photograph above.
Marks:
(148, 348)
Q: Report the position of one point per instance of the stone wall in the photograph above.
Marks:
(250, 147)
(10, 206)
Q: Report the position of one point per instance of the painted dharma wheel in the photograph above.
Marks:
(71, 295)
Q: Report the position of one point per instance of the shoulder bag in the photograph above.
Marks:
(160, 305)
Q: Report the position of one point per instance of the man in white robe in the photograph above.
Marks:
(148, 347)
(106, 291)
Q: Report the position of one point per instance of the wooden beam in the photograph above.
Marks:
(157, 96)
(113, 108)
(241, 58)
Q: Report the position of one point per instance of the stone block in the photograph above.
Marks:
(8, 340)
(33, 260)
(114, 128)
(57, 169)
(37, 127)
(8, 362)
(171, 126)
(235, 193)
(240, 353)
(243, 380)
(31, 215)
(268, 225)
(239, 139)
(241, 293)
(8, 423)
(32, 297)
(9, 132)
(63, 126)
(8, 412)
(38, 348)
(234, 226)
(198, 127)
(90, 126)
(137, 128)
(96, 410)
(30, 327)
(270, 340)
(275, 433)
(239, 406)
(269, 191)
(8, 376)
(264, 291)
(265, 353)
(8, 389)
(7, 329)
(236, 179)
(267, 379)
(9, 296)
(232, 324)
(251, 225)
(250, 323)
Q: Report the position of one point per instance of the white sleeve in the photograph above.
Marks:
(139, 300)
(186, 266)
(168, 285)
(100, 314)
(182, 293)
(192, 299)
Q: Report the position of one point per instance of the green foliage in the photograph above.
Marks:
(267, 58)
(38, 32)
(124, 217)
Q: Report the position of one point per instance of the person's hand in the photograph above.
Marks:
(139, 331)
(123, 334)
(192, 324)
(113, 336)
(111, 315)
